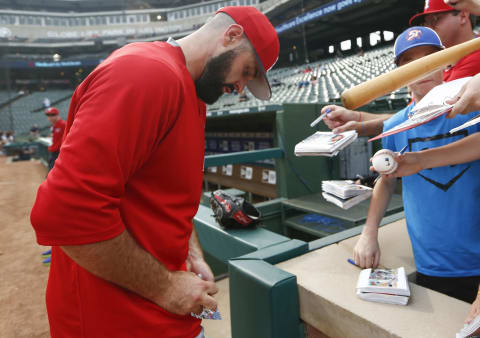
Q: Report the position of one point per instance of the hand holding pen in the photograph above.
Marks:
(320, 118)
(340, 119)
(207, 313)
(351, 261)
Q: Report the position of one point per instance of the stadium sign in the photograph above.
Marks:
(58, 64)
(112, 32)
(22, 64)
(332, 7)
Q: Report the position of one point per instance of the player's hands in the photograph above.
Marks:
(185, 292)
(467, 99)
(366, 253)
(472, 6)
(338, 117)
(200, 267)
(474, 310)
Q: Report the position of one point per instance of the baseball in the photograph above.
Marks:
(384, 161)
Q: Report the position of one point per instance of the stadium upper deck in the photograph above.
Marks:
(325, 82)
(28, 28)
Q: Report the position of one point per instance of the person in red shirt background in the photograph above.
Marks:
(117, 208)
(57, 130)
(468, 98)
(454, 27)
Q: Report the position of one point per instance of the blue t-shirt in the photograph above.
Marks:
(441, 204)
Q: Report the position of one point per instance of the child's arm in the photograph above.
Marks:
(462, 151)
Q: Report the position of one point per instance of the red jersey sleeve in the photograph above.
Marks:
(117, 117)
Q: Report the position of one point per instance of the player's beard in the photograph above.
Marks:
(211, 83)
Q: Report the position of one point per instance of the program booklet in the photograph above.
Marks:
(345, 193)
(324, 143)
(344, 188)
(384, 285)
(346, 203)
(430, 107)
(470, 330)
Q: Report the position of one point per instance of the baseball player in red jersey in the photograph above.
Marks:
(125, 257)
(57, 130)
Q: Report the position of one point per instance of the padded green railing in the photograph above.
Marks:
(263, 301)
(242, 157)
(224, 244)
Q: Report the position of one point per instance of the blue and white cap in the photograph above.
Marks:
(414, 37)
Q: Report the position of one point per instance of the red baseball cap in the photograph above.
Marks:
(51, 111)
(431, 6)
(264, 39)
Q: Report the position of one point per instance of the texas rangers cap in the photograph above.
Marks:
(414, 37)
(431, 6)
(51, 111)
(263, 38)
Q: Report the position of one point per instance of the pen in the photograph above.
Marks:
(321, 117)
(351, 261)
(403, 149)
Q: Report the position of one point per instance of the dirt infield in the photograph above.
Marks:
(22, 276)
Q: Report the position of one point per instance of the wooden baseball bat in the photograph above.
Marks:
(368, 91)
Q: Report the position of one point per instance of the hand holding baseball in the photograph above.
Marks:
(384, 162)
(408, 164)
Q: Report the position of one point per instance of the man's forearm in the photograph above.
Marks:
(195, 260)
(195, 250)
(122, 261)
(382, 193)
